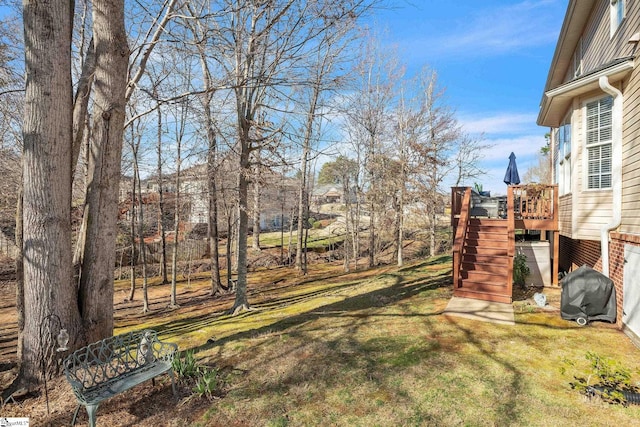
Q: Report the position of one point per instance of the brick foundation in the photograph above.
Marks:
(575, 253)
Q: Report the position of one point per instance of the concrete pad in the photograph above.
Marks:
(485, 311)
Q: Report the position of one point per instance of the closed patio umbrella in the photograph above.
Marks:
(512, 177)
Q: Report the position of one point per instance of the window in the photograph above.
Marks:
(562, 156)
(577, 60)
(617, 13)
(599, 136)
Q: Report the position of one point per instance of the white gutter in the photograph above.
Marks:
(616, 172)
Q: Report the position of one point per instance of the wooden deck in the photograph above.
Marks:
(484, 248)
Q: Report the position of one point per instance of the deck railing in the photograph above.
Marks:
(461, 197)
(534, 206)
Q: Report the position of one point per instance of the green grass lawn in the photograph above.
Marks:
(373, 348)
(318, 238)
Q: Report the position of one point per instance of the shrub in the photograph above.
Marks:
(604, 377)
(520, 269)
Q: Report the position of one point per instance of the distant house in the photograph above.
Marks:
(591, 102)
(195, 191)
(327, 194)
(278, 197)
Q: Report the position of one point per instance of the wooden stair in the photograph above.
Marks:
(485, 266)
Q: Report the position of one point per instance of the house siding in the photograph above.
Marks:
(598, 47)
(631, 156)
(590, 209)
(583, 213)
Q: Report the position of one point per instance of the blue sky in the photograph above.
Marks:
(492, 57)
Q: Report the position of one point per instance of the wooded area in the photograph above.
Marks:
(124, 124)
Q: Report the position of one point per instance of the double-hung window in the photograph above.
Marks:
(617, 14)
(562, 156)
(599, 137)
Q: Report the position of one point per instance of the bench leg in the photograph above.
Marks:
(91, 411)
(173, 383)
(75, 415)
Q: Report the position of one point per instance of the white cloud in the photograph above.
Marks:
(522, 146)
(496, 31)
(499, 123)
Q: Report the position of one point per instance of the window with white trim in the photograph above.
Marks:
(562, 156)
(599, 136)
(577, 60)
(617, 13)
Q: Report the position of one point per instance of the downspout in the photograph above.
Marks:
(616, 171)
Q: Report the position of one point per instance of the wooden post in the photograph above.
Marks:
(512, 239)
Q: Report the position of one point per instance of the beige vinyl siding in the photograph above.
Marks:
(631, 156)
(597, 46)
(585, 212)
(590, 209)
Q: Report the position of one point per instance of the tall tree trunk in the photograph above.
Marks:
(303, 193)
(400, 229)
(282, 198)
(143, 246)
(228, 255)
(132, 231)
(176, 233)
(19, 275)
(372, 233)
(347, 233)
(213, 234)
(81, 103)
(47, 134)
(96, 279)
(241, 302)
(161, 230)
(301, 209)
(290, 244)
(256, 207)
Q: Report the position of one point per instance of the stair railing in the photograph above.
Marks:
(461, 207)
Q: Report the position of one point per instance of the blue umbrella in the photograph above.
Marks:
(512, 177)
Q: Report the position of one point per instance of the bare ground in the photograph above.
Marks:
(147, 405)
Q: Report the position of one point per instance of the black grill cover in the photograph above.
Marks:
(588, 294)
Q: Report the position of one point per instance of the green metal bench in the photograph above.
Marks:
(111, 366)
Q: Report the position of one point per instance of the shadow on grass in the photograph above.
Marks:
(346, 350)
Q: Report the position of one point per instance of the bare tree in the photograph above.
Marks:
(367, 115)
(405, 125)
(470, 152)
(138, 200)
(198, 28)
(255, 40)
(181, 122)
(541, 171)
(323, 78)
(439, 135)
